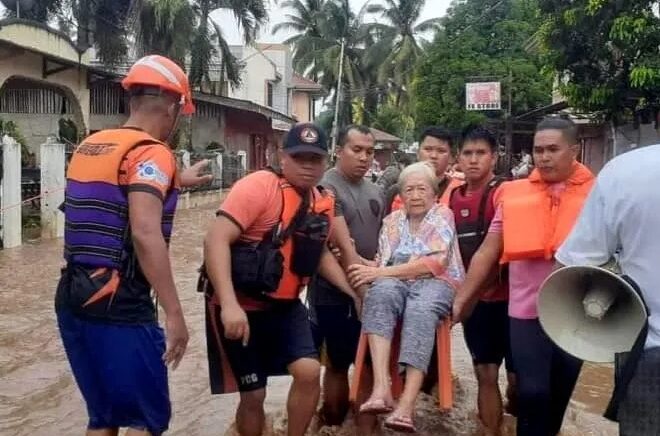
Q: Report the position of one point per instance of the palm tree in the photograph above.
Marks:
(164, 27)
(322, 26)
(400, 37)
(180, 28)
(305, 19)
(250, 15)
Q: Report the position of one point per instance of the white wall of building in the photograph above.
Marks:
(257, 71)
(281, 56)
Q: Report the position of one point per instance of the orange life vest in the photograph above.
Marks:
(96, 206)
(443, 198)
(536, 222)
(322, 203)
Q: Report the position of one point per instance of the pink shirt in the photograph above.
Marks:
(525, 276)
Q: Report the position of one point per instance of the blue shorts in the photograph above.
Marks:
(120, 372)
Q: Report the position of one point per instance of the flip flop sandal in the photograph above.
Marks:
(401, 424)
(377, 407)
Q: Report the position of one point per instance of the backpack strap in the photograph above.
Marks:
(481, 217)
(279, 237)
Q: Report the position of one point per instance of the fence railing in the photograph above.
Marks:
(226, 168)
(41, 190)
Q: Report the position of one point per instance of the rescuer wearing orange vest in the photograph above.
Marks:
(268, 240)
(533, 218)
(435, 146)
(121, 194)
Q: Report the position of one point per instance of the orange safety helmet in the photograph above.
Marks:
(163, 73)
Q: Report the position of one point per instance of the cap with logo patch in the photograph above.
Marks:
(306, 138)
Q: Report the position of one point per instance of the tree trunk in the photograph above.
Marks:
(369, 106)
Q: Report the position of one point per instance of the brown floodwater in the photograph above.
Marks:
(38, 396)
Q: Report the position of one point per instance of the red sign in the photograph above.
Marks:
(482, 96)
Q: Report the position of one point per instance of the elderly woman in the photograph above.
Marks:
(418, 270)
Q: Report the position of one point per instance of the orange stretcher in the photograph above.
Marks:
(445, 382)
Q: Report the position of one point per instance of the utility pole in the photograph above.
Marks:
(337, 99)
(508, 126)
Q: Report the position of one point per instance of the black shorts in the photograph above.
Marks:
(278, 337)
(487, 334)
(339, 329)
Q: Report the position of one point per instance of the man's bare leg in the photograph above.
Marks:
(489, 398)
(335, 396)
(366, 423)
(134, 432)
(250, 416)
(511, 394)
(303, 395)
(103, 432)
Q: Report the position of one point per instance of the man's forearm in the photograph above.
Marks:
(330, 270)
(154, 260)
(480, 269)
(218, 268)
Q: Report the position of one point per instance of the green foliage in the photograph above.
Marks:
(393, 120)
(481, 40)
(10, 128)
(165, 28)
(68, 131)
(378, 57)
(179, 29)
(607, 58)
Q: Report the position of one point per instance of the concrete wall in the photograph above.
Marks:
(205, 130)
(73, 82)
(628, 138)
(35, 128)
(19, 63)
(301, 106)
(100, 122)
(39, 39)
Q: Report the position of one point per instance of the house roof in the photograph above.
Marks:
(303, 83)
(383, 136)
(243, 105)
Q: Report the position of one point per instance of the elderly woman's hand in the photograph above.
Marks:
(359, 275)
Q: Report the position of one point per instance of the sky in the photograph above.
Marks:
(432, 9)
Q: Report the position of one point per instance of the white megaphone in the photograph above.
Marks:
(591, 312)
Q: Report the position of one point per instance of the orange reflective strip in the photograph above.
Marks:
(109, 289)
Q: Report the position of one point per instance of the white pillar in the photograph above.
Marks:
(53, 181)
(11, 193)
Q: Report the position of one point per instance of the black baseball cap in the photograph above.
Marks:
(306, 138)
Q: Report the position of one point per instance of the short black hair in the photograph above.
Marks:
(342, 137)
(568, 128)
(438, 133)
(480, 133)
